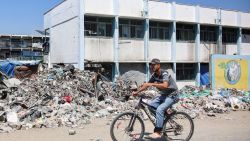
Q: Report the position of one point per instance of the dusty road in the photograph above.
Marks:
(227, 127)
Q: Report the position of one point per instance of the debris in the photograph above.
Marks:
(72, 132)
(66, 96)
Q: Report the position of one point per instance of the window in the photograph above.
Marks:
(245, 36)
(185, 71)
(229, 35)
(130, 28)
(95, 26)
(208, 34)
(4, 42)
(185, 32)
(158, 30)
(16, 42)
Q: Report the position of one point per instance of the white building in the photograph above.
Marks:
(127, 34)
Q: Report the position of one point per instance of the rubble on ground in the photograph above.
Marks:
(65, 96)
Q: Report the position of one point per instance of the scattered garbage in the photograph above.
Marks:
(66, 96)
(72, 132)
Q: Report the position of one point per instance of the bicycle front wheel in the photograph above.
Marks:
(127, 127)
(179, 126)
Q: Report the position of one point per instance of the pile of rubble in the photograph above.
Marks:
(62, 96)
(197, 101)
(65, 96)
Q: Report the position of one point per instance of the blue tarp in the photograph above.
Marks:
(204, 78)
(8, 66)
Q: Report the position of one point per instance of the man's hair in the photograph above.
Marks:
(155, 61)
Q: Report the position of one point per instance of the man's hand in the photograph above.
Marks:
(142, 88)
(145, 86)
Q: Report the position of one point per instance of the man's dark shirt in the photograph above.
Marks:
(164, 76)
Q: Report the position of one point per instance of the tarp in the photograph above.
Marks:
(8, 66)
(204, 78)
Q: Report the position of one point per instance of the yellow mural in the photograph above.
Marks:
(231, 73)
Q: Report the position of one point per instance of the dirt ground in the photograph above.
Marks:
(224, 127)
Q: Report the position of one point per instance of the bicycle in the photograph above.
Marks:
(131, 126)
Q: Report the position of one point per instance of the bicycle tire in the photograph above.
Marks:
(178, 120)
(123, 117)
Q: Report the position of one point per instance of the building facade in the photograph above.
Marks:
(22, 47)
(126, 34)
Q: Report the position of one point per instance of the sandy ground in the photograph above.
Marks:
(224, 127)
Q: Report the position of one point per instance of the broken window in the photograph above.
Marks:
(95, 26)
(158, 30)
(130, 28)
(229, 35)
(185, 32)
(208, 34)
(186, 71)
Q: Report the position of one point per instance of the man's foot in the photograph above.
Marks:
(155, 135)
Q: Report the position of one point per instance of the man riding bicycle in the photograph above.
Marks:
(163, 81)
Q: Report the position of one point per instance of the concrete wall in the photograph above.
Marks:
(185, 52)
(63, 12)
(104, 7)
(159, 10)
(245, 18)
(99, 49)
(131, 8)
(64, 42)
(208, 15)
(185, 13)
(231, 49)
(131, 50)
(160, 49)
(245, 49)
(205, 50)
(228, 18)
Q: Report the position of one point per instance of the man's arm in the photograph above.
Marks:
(163, 85)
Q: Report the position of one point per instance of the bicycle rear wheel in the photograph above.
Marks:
(127, 127)
(178, 126)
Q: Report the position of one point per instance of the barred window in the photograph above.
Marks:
(131, 28)
(229, 35)
(95, 26)
(245, 36)
(159, 30)
(185, 32)
(185, 71)
(208, 34)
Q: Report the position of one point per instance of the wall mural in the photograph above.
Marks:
(230, 72)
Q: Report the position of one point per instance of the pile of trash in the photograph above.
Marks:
(62, 96)
(198, 101)
(65, 96)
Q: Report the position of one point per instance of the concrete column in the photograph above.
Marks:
(239, 41)
(146, 51)
(197, 44)
(219, 32)
(116, 45)
(81, 36)
(173, 38)
(116, 69)
(146, 39)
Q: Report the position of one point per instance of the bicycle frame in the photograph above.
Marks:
(150, 111)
